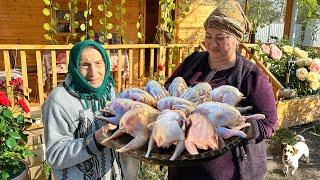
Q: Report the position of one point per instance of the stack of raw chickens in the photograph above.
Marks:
(190, 118)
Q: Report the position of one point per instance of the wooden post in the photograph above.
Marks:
(7, 67)
(39, 77)
(141, 67)
(54, 69)
(151, 69)
(130, 66)
(161, 62)
(119, 73)
(67, 56)
(287, 20)
(24, 74)
(170, 62)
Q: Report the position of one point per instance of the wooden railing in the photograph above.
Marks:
(140, 68)
(246, 52)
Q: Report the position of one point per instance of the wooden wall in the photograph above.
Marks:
(190, 29)
(21, 20)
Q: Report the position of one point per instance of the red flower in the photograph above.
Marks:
(18, 84)
(23, 105)
(160, 67)
(4, 100)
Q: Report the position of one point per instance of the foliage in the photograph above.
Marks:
(166, 28)
(50, 27)
(282, 136)
(13, 142)
(47, 169)
(261, 13)
(152, 172)
(295, 68)
(307, 9)
(121, 11)
(107, 25)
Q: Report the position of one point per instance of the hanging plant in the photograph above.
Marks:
(139, 22)
(121, 10)
(184, 7)
(73, 24)
(49, 27)
(107, 26)
(88, 22)
(165, 30)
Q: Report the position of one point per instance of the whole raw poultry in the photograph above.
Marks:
(198, 94)
(135, 122)
(156, 90)
(140, 95)
(177, 87)
(168, 129)
(116, 108)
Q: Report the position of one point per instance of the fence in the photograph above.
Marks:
(311, 36)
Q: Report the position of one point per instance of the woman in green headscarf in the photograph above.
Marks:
(73, 136)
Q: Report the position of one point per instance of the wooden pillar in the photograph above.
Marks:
(287, 20)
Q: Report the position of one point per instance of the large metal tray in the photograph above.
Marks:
(161, 156)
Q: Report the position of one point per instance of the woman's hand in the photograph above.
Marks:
(101, 135)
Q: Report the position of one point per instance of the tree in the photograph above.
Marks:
(262, 12)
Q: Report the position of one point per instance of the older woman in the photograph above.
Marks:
(73, 137)
(222, 65)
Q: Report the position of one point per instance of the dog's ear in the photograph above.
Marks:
(295, 150)
(283, 145)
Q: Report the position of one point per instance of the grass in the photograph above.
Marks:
(151, 172)
(284, 135)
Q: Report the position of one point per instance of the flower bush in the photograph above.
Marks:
(296, 68)
(13, 142)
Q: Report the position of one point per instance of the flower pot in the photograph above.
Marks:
(298, 111)
(24, 174)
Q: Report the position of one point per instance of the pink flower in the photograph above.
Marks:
(314, 67)
(276, 53)
(265, 48)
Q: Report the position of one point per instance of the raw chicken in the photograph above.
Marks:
(116, 108)
(134, 122)
(224, 115)
(156, 90)
(177, 87)
(227, 94)
(198, 94)
(140, 95)
(168, 129)
(201, 134)
(176, 103)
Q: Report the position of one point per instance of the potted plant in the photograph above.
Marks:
(13, 142)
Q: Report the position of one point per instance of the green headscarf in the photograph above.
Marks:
(80, 85)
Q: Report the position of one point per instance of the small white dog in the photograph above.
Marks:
(292, 154)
